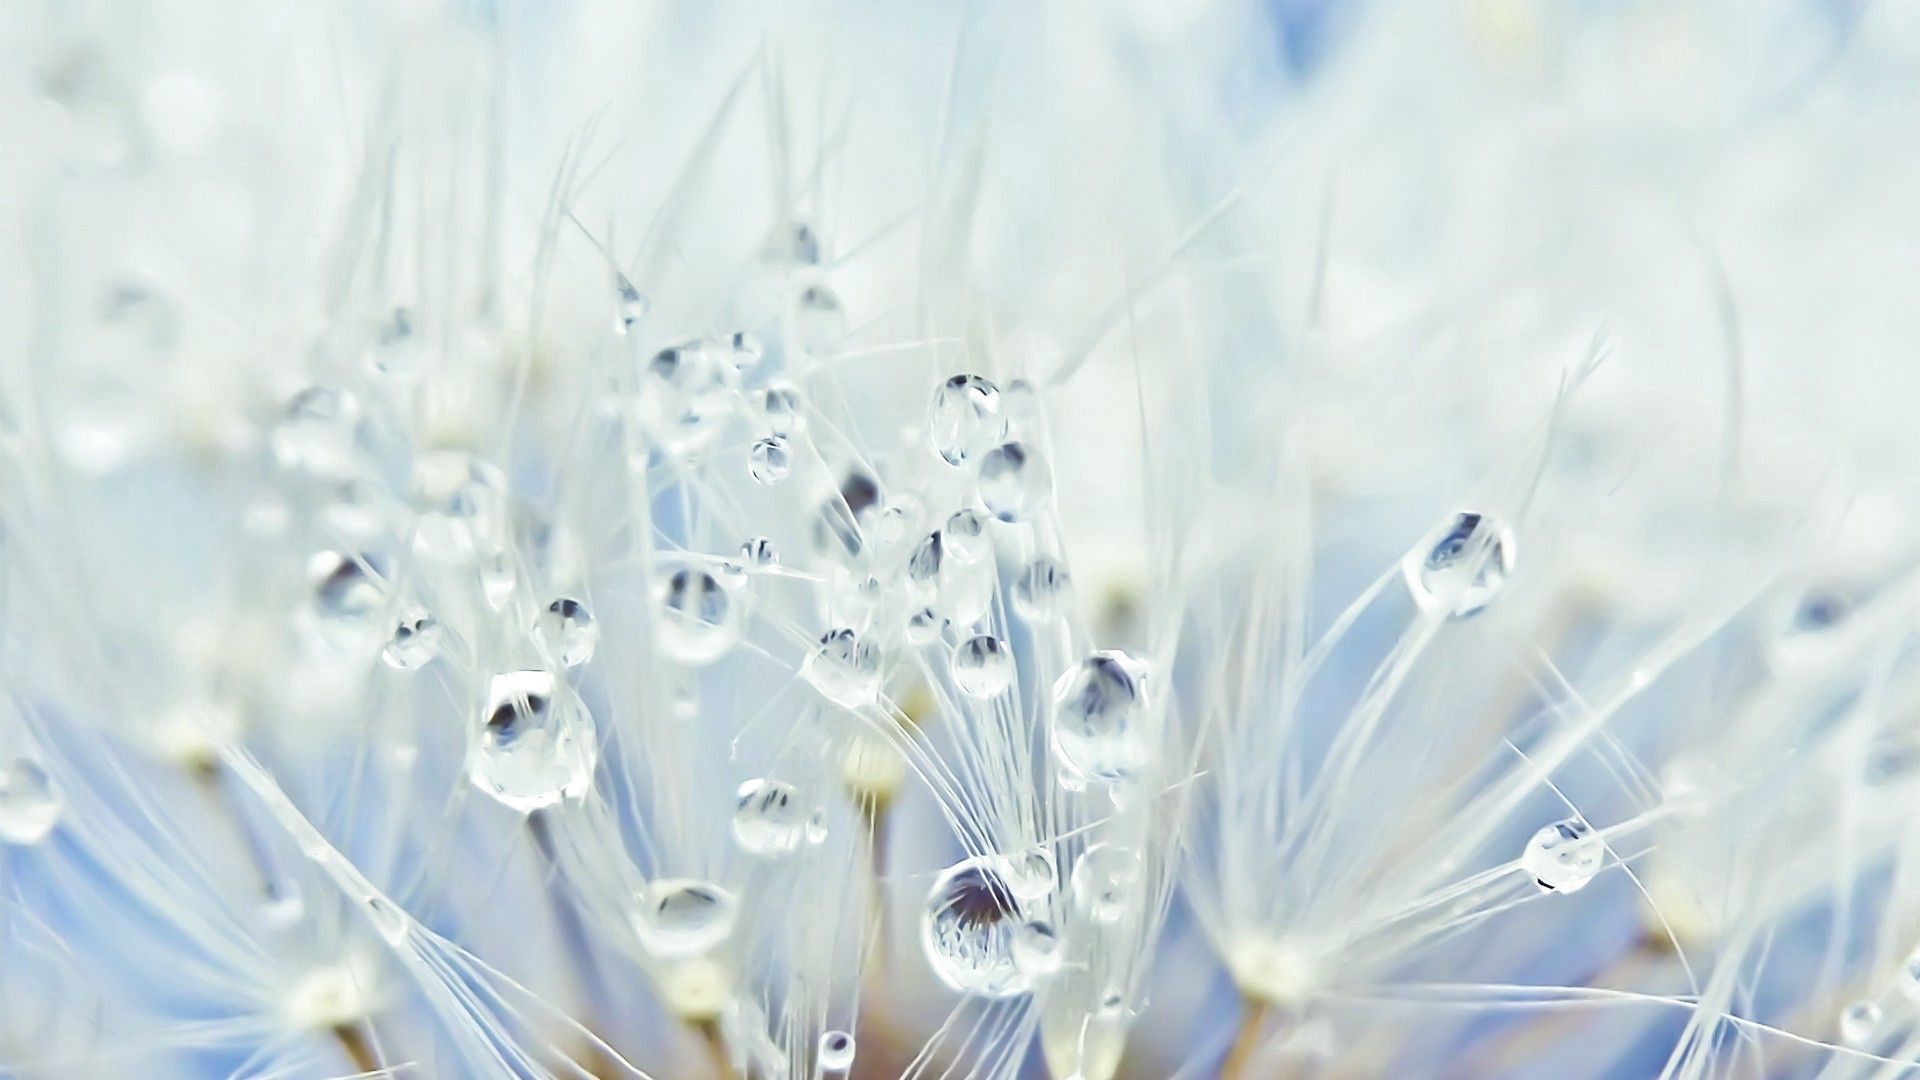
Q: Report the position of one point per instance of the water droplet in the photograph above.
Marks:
(536, 742)
(317, 431)
(631, 304)
(845, 669)
(1458, 569)
(684, 917)
(684, 398)
(836, 1052)
(1564, 856)
(768, 818)
(817, 827)
(566, 632)
(925, 626)
(1036, 949)
(1014, 483)
(1031, 874)
(1859, 1021)
(30, 805)
(770, 460)
(794, 244)
(699, 621)
(759, 551)
(1107, 881)
(742, 351)
(780, 409)
(968, 931)
(965, 418)
(1042, 587)
(966, 537)
(923, 566)
(819, 321)
(415, 639)
(982, 666)
(1099, 707)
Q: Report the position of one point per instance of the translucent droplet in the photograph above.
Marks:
(699, 621)
(742, 351)
(768, 818)
(965, 534)
(837, 530)
(759, 552)
(925, 626)
(836, 1052)
(845, 669)
(770, 459)
(1107, 881)
(684, 917)
(1859, 1021)
(317, 431)
(566, 632)
(817, 827)
(683, 401)
(982, 666)
(1014, 483)
(1031, 873)
(1099, 708)
(1564, 856)
(780, 409)
(343, 590)
(631, 304)
(819, 320)
(968, 931)
(965, 418)
(536, 742)
(1042, 587)
(30, 805)
(1457, 571)
(1036, 948)
(415, 639)
(923, 566)
(792, 244)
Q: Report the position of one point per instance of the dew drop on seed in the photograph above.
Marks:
(1031, 873)
(316, 431)
(770, 460)
(1457, 571)
(29, 803)
(925, 626)
(684, 917)
(742, 351)
(968, 931)
(982, 666)
(965, 418)
(844, 669)
(684, 398)
(566, 632)
(536, 742)
(415, 639)
(631, 305)
(768, 818)
(759, 552)
(1041, 589)
(1564, 856)
(836, 1052)
(965, 534)
(699, 620)
(1014, 483)
(1098, 713)
(780, 409)
(343, 590)
(1859, 1021)
(923, 566)
(1036, 949)
(1106, 881)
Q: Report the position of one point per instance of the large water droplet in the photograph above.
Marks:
(536, 742)
(1107, 881)
(836, 1052)
(317, 432)
(699, 620)
(1099, 708)
(566, 632)
(964, 418)
(968, 931)
(770, 459)
(30, 805)
(1457, 571)
(415, 639)
(768, 818)
(844, 669)
(1859, 1021)
(1564, 856)
(684, 917)
(982, 666)
(1041, 590)
(1014, 482)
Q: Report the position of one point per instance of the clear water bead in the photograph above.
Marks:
(684, 917)
(1014, 482)
(925, 626)
(699, 620)
(836, 1052)
(758, 551)
(631, 305)
(1859, 1021)
(1037, 948)
(780, 409)
(968, 931)
(965, 418)
(844, 669)
(415, 640)
(770, 460)
(684, 398)
(29, 803)
(819, 320)
(982, 666)
(768, 818)
(343, 590)
(316, 432)
(741, 350)
(1099, 708)
(1458, 569)
(566, 632)
(536, 742)
(1031, 874)
(1564, 856)
(965, 535)
(1107, 881)
(1043, 585)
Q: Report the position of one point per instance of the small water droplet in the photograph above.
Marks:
(1106, 882)
(1099, 708)
(631, 304)
(343, 590)
(768, 818)
(1859, 1021)
(1014, 482)
(770, 459)
(684, 917)
(982, 666)
(780, 409)
(742, 351)
(844, 669)
(1042, 587)
(968, 931)
(1457, 571)
(836, 1052)
(30, 804)
(758, 551)
(415, 639)
(819, 320)
(964, 418)
(1036, 948)
(966, 537)
(684, 398)
(566, 632)
(699, 620)
(536, 744)
(1564, 856)
(1031, 873)
(925, 626)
